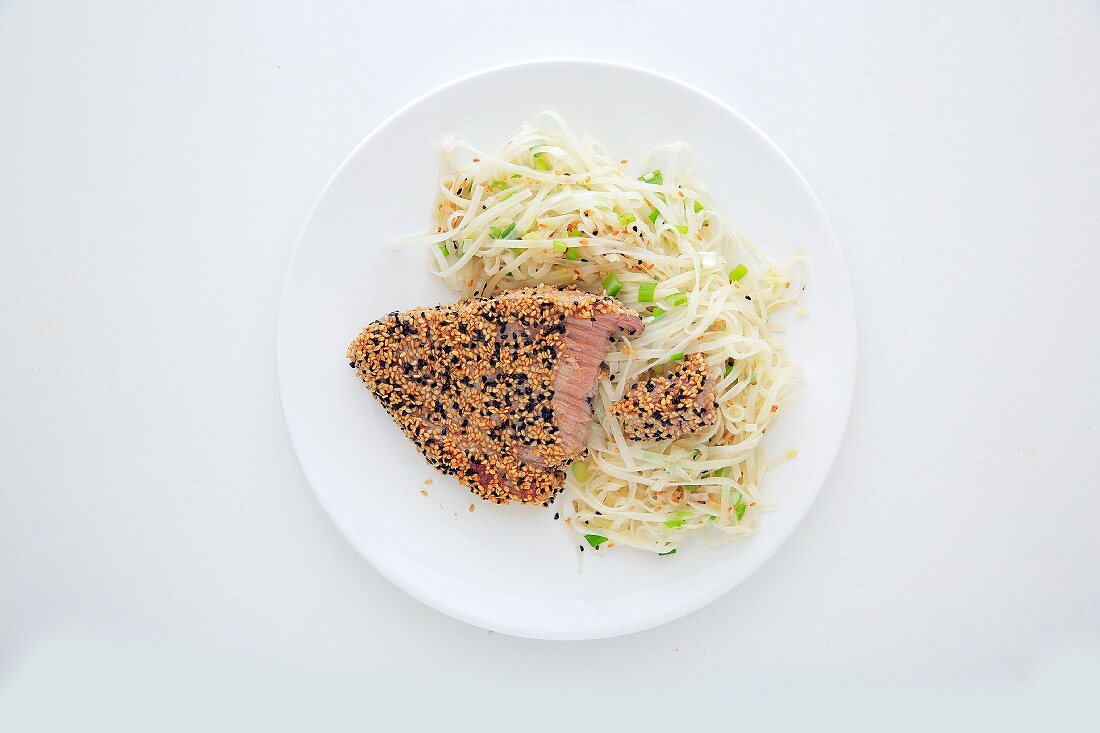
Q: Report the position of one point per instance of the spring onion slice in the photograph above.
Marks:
(612, 284)
(677, 299)
(646, 291)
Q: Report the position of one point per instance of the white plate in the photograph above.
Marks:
(512, 568)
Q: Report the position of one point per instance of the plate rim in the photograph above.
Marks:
(595, 631)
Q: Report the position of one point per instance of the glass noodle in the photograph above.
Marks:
(552, 207)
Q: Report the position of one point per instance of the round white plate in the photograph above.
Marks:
(512, 568)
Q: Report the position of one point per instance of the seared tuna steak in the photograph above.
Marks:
(671, 405)
(495, 391)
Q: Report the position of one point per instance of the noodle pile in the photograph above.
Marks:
(552, 207)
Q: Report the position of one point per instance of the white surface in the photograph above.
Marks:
(156, 163)
(513, 568)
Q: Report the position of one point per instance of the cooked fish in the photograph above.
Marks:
(495, 391)
(669, 405)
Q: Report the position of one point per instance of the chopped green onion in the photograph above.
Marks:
(580, 470)
(443, 248)
(612, 284)
(541, 163)
(677, 299)
(712, 517)
(517, 251)
(738, 272)
(682, 228)
(676, 357)
(696, 453)
(510, 230)
(494, 232)
(508, 195)
(683, 512)
(560, 246)
(657, 311)
(655, 178)
(573, 254)
(653, 216)
(518, 175)
(739, 507)
(735, 381)
(645, 292)
(698, 207)
(729, 368)
(719, 472)
(595, 540)
(674, 523)
(576, 233)
(670, 552)
(624, 220)
(498, 185)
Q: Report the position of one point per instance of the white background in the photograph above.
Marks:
(157, 536)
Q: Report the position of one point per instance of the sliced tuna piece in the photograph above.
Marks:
(667, 406)
(495, 391)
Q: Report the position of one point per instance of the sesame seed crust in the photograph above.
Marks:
(473, 384)
(668, 406)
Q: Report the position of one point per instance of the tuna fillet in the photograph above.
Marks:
(495, 391)
(668, 406)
